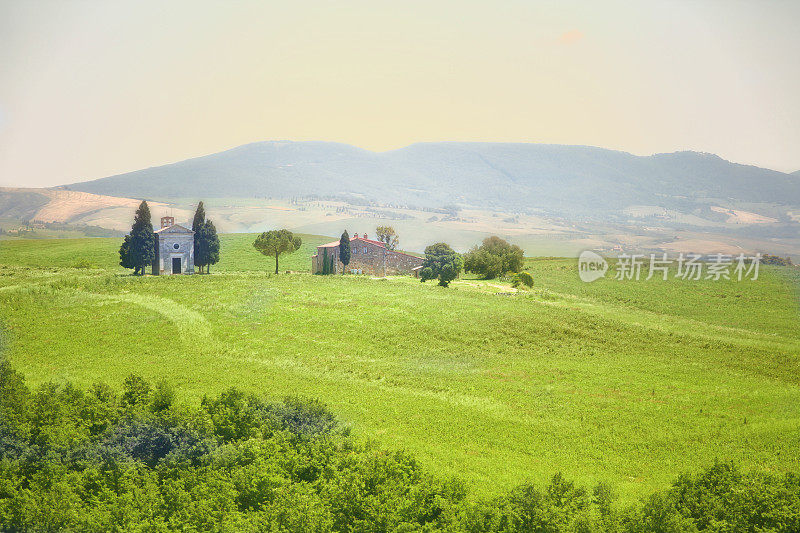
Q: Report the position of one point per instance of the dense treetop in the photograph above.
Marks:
(441, 263)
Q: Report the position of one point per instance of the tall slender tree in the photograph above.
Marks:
(199, 217)
(344, 250)
(200, 247)
(325, 268)
(213, 246)
(125, 259)
(206, 252)
(197, 224)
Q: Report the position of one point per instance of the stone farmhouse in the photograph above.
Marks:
(367, 257)
(174, 249)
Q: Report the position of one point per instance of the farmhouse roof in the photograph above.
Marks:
(336, 243)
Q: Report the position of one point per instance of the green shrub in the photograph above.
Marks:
(522, 278)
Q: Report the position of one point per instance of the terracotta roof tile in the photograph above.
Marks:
(354, 239)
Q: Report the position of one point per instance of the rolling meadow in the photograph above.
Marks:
(625, 382)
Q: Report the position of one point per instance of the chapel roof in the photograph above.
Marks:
(175, 228)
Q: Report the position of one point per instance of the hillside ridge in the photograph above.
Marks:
(560, 178)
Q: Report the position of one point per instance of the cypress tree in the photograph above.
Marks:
(142, 239)
(200, 248)
(197, 225)
(325, 261)
(199, 217)
(211, 245)
(125, 259)
(344, 250)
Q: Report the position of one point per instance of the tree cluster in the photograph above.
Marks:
(96, 460)
(768, 259)
(495, 257)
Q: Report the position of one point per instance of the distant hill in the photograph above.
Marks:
(21, 203)
(64, 210)
(500, 175)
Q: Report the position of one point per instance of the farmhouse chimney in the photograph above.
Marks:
(167, 222)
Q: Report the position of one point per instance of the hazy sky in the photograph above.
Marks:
(90, 89)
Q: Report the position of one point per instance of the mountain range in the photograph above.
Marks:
(510, 176)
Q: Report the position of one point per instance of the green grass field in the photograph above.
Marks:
(626, 382)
